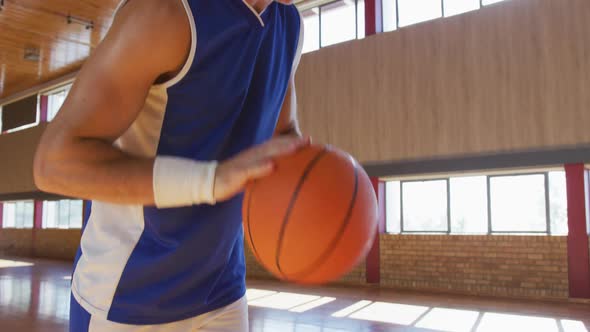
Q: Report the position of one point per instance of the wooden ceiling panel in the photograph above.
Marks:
(62, 47)
(43, 25)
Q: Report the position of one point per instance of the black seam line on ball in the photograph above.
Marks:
(248, 221)
(329, 250)
(294, 196)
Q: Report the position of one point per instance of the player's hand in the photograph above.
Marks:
(232, 175)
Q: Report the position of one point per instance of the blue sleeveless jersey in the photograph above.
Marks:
(144, 265)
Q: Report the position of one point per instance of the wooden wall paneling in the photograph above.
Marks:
(16, 167)
(509, 76)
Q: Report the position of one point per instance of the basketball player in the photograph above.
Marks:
(180, 106)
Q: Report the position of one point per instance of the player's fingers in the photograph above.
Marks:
(281, 146)
(259, 169)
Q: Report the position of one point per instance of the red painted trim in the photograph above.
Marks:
(373, 260)
(1, 214)
(38, 215)
(373, 17)
(43, 108)
(577, 240)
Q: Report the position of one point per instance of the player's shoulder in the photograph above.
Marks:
(156, 14)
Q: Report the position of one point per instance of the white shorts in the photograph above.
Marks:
(231, 318)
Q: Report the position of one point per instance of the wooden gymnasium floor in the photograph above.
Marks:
(34, 296)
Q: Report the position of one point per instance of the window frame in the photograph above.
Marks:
(58, 214)
(488, 177)
(320, 9)
(547, 202)
(401, 198)
(24, 226)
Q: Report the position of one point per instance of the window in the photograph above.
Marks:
(415, 11)
(338, 22)
(55, 100)
(469, 205)
(424, 206)
(389, 12)
(62, 214)
(502, 204)
(18, 214)
(393, 207)
(455, 7)
(400, 13)
(333, 23)
(558, 203)
(311, 22)
(518, 203)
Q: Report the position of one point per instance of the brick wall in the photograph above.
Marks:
(16, 242)
(57, 243)
(511, 266)
(42, 243)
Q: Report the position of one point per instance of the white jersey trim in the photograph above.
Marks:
(191, 56)
(297, 58)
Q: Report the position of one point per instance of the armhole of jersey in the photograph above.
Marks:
(299, 45)
(119, 6)
(191, 56)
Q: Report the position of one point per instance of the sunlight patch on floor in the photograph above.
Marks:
(282, 300)
(351, 309)
(393, 313)
(9, 263)
(572, 326)
(450, 320)
(494, 322)
(313, 304)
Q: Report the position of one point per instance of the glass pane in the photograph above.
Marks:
(415, 11)
(360, 19)
(19, 215)
(518, 203)
(55, 101)
(558, 203)
(425, 206)
(338, 22)
(76, 214)
(392, 207)
(9, 214)
(311, 32)
(454, 7)
(389, 15)
(29, 214)
(49, 214)
(63, 220)
(469, 205)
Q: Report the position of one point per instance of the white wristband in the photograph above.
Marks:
(182, 182)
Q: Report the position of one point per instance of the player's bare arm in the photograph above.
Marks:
(288, 123)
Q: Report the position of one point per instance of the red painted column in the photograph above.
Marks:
(374, 25)
(373, 17)
(577, 239)
(373, 260)
(43, 108)
(38, 215)
(37, 225)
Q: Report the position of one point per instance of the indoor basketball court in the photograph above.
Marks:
(326, 165)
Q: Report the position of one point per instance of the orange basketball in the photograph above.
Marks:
(314, 218)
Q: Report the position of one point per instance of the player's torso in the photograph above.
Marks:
(146, 265)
